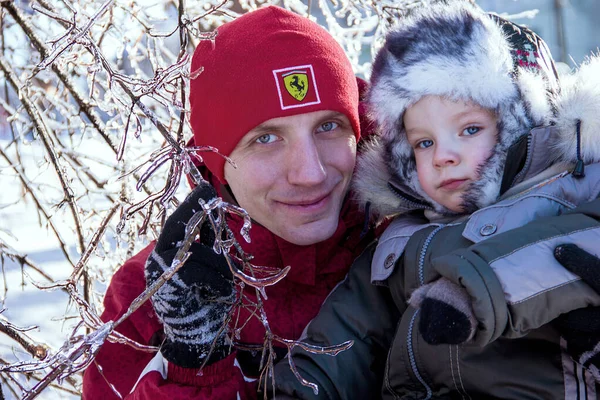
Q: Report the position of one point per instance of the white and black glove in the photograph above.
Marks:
(194, 304)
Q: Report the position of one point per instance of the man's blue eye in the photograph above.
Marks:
(268, 138)
(471, 130)
(425, 144)
(327, 126)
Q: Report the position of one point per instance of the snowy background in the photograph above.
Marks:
(570, 31)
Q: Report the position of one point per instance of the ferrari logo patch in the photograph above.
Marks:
(296, 83)
(296, 86)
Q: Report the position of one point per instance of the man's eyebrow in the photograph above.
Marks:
(265, 128)
(332, 113)
(262, 129)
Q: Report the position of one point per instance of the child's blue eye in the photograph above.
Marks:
(425, 144)
(327, 126)
(267, 138)
(471, 130)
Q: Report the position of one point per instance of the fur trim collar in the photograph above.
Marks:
(579, 101)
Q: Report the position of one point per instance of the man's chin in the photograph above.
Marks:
(310, 233)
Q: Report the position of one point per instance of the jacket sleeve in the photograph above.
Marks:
(355, 310)
(125, 368)
(514, 281)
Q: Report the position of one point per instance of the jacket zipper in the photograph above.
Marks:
(411, 204)
(527, 161)
(424, 252)
(411, 353)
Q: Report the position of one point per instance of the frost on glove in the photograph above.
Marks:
(446, 315)
(581, 328)
(194, 304)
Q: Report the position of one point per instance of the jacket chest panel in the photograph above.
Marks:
(403, 374)
(413, 364)
(552, 196)
(423, 247)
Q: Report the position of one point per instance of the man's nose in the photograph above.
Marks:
(305, 164)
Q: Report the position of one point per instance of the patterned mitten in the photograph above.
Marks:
(581, 328)
(194, 304)
(446, 315)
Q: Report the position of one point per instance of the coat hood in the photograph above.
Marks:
(484, 59)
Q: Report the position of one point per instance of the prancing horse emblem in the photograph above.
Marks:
(296, 83)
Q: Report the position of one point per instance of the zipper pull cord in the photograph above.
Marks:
(578, 171)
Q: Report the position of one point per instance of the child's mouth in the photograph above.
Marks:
(452, 184)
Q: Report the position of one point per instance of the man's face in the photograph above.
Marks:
(451, 140)
(293, 173)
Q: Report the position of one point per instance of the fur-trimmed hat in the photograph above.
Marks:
(457, 51)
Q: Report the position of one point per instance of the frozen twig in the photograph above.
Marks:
(38, 350)
(93, 243)
(43, 132)
(40, 207)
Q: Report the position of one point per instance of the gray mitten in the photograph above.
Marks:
(446, 315)
(194, 304)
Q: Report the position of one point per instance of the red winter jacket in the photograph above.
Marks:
(291, 304)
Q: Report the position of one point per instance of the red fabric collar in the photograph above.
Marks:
(272, 251)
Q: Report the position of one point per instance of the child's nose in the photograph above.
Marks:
(444, 157)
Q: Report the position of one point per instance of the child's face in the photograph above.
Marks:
(450, 140)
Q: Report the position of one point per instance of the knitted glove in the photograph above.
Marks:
(194, 304)
(581, 328)
(446, 315)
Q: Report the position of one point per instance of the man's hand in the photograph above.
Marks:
(194, 304)
(581, 328)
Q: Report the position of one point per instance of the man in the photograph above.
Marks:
(278, 96)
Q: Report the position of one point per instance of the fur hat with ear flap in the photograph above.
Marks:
(457, 51)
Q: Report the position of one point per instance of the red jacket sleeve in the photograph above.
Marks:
(121, 365)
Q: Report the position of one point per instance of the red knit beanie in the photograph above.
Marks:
(266, 64)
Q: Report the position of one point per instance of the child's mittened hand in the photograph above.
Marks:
(446, 315)
(581, 328)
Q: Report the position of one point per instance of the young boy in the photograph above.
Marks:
(475, 153)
